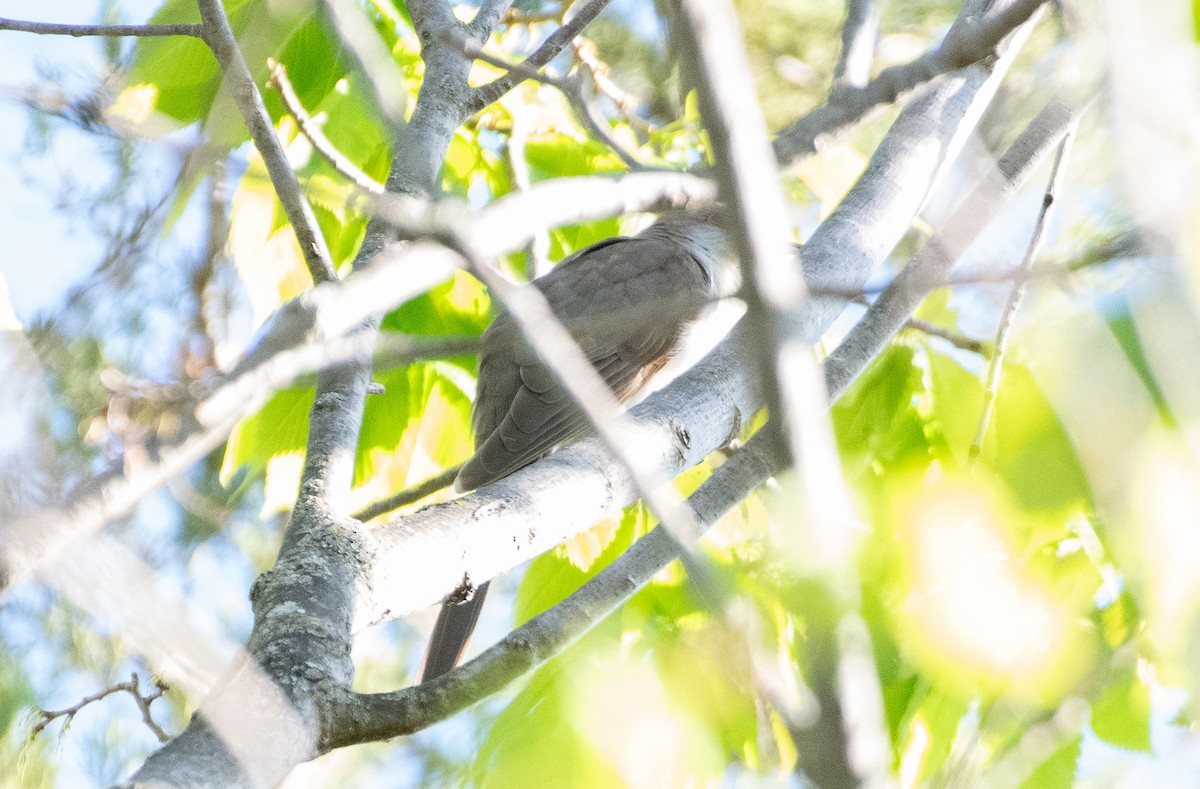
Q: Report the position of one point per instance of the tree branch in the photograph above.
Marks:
(140, 31)
(321, 144)
(409, 495)
(992, 385)
(249, 101)
(930, 267)
(554, 43)
(774, 291)
(131, 687)
(969, 40)
(486, 17)
(859, 31)
(366, 717)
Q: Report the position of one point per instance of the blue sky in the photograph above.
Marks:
(44, 252)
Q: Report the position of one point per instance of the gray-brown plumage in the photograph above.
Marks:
(628, 303)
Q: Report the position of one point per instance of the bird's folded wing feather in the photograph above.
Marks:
(626, 302)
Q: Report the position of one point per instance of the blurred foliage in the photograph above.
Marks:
(1056, 572)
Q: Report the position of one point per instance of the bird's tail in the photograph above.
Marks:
(455, 623)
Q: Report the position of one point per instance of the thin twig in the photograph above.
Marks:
(954, 338)
(570, 88)
(486, 94)
(249, 101)
(130, 687)
(409, 495)
(992, 386)
(321, 144)
(626, 103)
(596, 125)
(141, 31)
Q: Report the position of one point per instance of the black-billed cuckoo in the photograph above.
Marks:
(628, 302)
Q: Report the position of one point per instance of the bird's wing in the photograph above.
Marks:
(626, 301)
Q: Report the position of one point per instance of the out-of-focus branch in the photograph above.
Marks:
(859, 31)
(140, 31)
(775, 294)
(249, 101)
(970, 40)
(322, 144)
(364, 45)
(930, 267)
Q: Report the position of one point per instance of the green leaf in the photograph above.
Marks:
(535, 741)
(262, 244)
(1031, 449)
(704, 680)
(552, 576)
(182, 70)
(1121, 324)
(1058, 770)
(876, 421)
(957, 399)
(560, 155)
(1121, 620)
(184, 74)
(279, 427)
(421, 418)
(16, 694)
(416, 427)
(930, 728)
(461, 305)
(1121, 714)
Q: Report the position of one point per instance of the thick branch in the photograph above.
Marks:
(363, 718)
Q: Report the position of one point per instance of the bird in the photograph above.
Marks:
(629, 302)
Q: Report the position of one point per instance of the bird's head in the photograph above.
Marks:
(700, 234)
